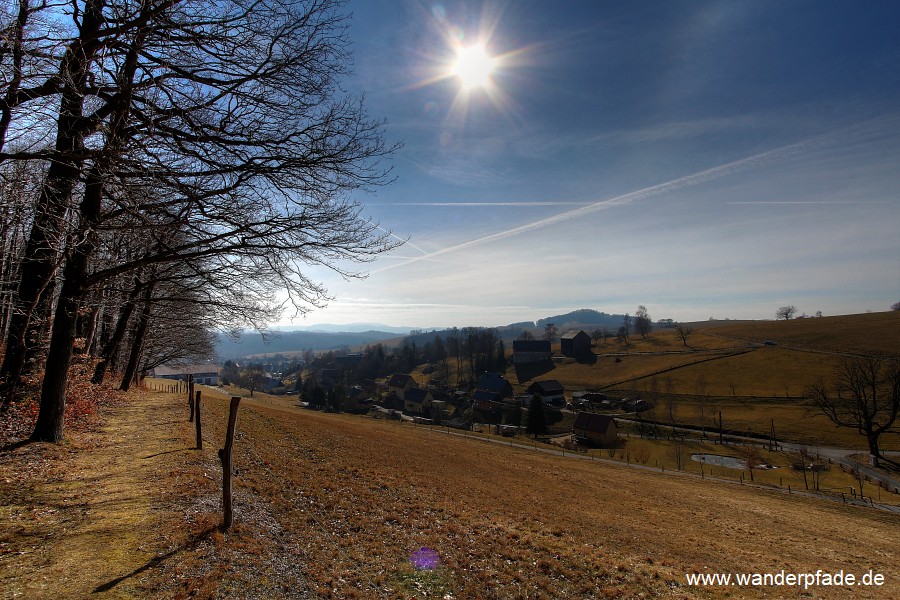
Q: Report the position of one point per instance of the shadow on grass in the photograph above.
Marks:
(526, 371)
(16, 445)
(157, 560)
(586, 358)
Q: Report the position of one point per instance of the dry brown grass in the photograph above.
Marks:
(364, 494)
(338, 504)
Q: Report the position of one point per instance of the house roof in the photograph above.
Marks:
(163, 370)
(572, 334)
(547, 386)
(486, 395)
(416, 395)
(401, 380)
(531, 346)
(494, 382)
(593, 422)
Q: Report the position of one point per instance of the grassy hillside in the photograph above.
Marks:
(362, 495)
(870, 332)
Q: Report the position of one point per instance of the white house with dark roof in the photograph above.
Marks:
(203, 374)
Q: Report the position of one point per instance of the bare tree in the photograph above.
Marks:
(786, 312)
(684, 332)
(864, 395)
(230, 121)
(642, 322)
(550, 332)
(753, 458)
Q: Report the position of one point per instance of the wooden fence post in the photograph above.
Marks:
(197, 415)
(190, 392)
(225, 455)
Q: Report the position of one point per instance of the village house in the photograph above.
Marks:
(550, 391)
(596, 430)
(416, 400)
(203, 374)
(358, 400)
(495, 382)
(575, 343)
(486, 400)
(400, 383)
(530, 351)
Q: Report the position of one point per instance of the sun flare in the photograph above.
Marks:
(474, 66)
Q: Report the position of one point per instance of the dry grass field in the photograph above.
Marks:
(360, 496)
(726, 368)
(335, 506)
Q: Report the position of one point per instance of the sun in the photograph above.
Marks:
(473, 66)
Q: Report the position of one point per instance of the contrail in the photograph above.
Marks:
(668, 186)
(875, 124)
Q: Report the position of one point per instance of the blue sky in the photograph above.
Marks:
(704, 159)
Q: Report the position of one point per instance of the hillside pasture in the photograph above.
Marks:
(869, 332)
(362, 495)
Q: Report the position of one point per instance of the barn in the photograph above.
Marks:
(596, 430)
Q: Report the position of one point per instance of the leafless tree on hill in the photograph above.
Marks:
(642, 322)
(786, 313)
(684, 332)
(864, 395)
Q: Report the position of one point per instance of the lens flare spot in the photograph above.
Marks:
(425, 559)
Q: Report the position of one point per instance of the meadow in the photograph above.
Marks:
(362, 496)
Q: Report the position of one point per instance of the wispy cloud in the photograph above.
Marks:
(624, 199)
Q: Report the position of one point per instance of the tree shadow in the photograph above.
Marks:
(16, 445)
(167, 452)
(586, 358)
(157, 560)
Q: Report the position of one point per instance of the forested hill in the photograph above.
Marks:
(582, 317)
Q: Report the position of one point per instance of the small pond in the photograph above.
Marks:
(720, 461)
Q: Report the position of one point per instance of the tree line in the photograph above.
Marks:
(170, 167)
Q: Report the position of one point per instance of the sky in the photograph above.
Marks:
(703, 159)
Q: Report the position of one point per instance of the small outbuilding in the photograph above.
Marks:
(575, 342)
(596, 430)
(530, 351)
(551, 392)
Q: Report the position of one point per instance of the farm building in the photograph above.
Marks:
(203, 374)
(417, 400)
(530, 351)
(575, 342)
(551, 392)
(486, 399)
(598, 430)
(494, 382)
(399, 383)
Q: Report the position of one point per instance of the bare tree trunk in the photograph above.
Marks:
(49, 426)
(139, 333)
(42, 250)
(111, 348)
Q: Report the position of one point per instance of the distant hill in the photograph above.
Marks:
(295, 341)
(582, 317)
(347, 328)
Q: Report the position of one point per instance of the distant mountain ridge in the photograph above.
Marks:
(295, 341)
